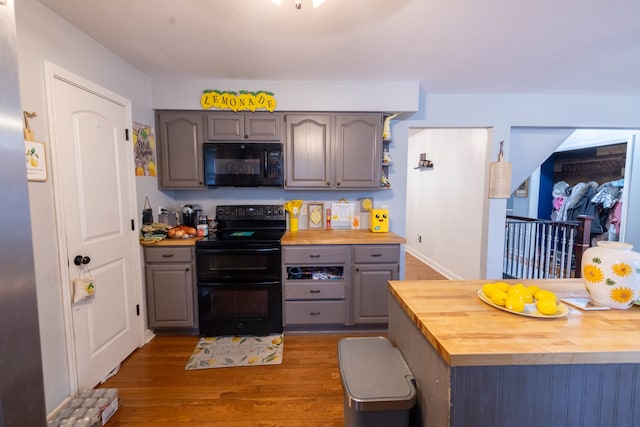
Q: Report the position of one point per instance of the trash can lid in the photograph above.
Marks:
(375, 376)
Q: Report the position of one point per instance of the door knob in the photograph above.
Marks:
(79, 259)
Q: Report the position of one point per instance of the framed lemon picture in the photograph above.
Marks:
(36, 160)
(316, 214)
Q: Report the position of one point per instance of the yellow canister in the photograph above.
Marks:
(379, 221)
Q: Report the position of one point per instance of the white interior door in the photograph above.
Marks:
(95, 196)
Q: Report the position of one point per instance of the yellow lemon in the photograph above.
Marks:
(514, 303)
(547, 306)
(503, 286)
(517, 290)
(33, 162)
(544, 294)
(498, 297)
(532, 289)
(489, 288)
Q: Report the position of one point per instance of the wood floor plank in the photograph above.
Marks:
(305, 390)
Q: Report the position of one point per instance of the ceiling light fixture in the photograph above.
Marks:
(298, 3)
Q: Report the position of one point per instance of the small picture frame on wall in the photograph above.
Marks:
(315, 215)
(523, 189)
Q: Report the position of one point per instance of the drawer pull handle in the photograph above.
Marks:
(314, 291)
(167, 255)
(314, 256)
(376, 255)
(314, 313)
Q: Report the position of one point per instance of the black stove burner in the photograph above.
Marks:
(244, 236)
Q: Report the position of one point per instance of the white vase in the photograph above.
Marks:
(611, 274)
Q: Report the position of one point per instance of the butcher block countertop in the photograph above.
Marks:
(340, 237)
(466, 331)
(311, 237)
(173, 242)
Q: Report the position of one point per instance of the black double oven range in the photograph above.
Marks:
(238, 269)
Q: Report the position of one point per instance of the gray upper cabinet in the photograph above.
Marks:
(308, 151)
(333, 151)
(180, 140)
(229, 126)
(358, 142)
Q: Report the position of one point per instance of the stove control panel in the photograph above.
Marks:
(250, 212)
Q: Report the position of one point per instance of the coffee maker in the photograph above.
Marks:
(190, 215)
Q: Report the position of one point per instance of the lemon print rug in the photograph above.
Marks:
(227, 351)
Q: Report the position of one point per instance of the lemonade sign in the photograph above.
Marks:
(238, 101)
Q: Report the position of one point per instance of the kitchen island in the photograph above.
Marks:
(476, 365)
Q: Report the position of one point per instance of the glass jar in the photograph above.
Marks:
(203, 226)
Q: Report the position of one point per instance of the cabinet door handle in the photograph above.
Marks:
(376, 255)
(167, 255)
(314, 291)
(314, 256)
(314, 313)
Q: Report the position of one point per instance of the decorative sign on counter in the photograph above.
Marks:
(234, 101)
(341, 214)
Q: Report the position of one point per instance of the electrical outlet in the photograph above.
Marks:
(419, 238)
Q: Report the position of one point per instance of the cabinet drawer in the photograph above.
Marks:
(314, 312)
(324, 290)
(168, 254)
(315, 254)
(376, 253)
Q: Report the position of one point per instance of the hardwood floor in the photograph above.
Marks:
(305, 390)
(155, 390)
(414, 269)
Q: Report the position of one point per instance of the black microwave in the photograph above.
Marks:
(243, 164)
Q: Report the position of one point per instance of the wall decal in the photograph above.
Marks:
(238, 101)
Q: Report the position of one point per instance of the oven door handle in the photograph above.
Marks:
(226, 251)
(203, 283)
(265, 163)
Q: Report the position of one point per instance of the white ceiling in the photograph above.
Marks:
(449, 46)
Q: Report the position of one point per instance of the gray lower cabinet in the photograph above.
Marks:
(373, 266)
(315, 283)
(339, 285)
(170, 285)
(180, 141)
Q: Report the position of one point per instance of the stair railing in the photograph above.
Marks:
(544, 249)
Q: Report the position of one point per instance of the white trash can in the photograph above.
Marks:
(379, 388)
